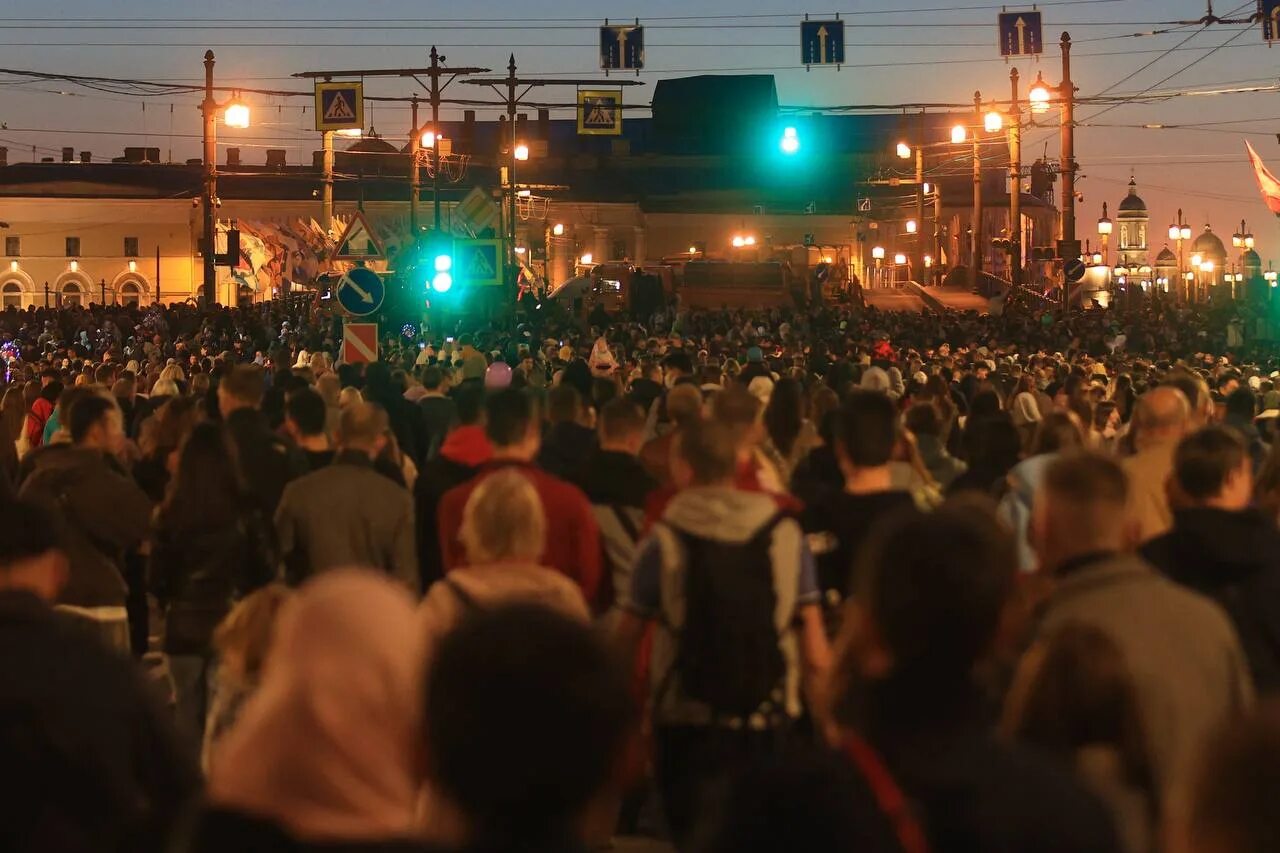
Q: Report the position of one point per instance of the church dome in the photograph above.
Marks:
(1166, 258)
(1132, 203)
(1252, 259)
(1209, 245)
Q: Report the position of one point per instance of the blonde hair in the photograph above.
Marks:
(503, 520)
(244, 636)
(350, 397)
(173, 372)
(328, 387)
(164, 388)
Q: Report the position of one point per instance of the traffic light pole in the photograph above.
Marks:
(415, 173)
(209, 112)
(1068, 94)
(1015, 184)
(975, 232)
(513, 270)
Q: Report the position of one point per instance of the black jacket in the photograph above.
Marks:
(196, 575)
(974, 792)
(566, 448)
(1234, 558)
(407, 423)
(106, 514)
(436, 477)
(214, 830)
(615, 479)
(267, 461)
(89, 753)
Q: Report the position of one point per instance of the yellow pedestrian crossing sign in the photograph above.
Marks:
(479, 262)
(339, 106)
(600, 112)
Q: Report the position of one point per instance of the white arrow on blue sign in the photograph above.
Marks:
(1021, 34)
(822, 42)
(361, 291)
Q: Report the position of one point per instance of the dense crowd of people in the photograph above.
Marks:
(726, 581)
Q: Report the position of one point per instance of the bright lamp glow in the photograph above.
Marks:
(751, 241)
(993, 121)
(693, 250)
(928, 187)
(350, 132)
(739, 241)
(133, 266)
(75, 266)
(1186, 232)
(1104, 226)
(878, 252)
(899, 258)
(586, 259)
(522, 152)
(557, 230)
(1248, 241)
(911, 226)
(13, 266)
(443, 263)
(1175, 233)
(1196, 259)
(790, 142)
(236, 114)
(958, 134)
(441, 282)
(928, 261)
(1039, 96)
(904, 151)
(1206, 266)
(520, 250)
(428, 139)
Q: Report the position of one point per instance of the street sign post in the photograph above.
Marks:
(822, 42)
(359, 343)
(622, 47)
(1073, 270)
(358, 242)
(361, 291)
(478, 262)
(339, 106)
(1021, 34)
(599, 112)
(1270, 10)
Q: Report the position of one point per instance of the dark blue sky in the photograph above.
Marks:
(898, 50)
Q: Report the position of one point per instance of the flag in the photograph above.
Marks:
(1266, 181)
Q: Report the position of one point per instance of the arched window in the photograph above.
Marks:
(130, 293)
(12, 293)
(1124, 236)
(1142, 236)
(72, 296)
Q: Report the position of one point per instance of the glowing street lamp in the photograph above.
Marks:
(236, 113)
(993, 122)
(428, 139)
(739, 241)
(899, 259)
(557, 230)
(911, 226)
(350, 132)
(904, 151)
(877, 252)
(587, 259)
(958, 135)
(521, 152)
(1040, 95)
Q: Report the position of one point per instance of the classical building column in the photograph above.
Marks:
(600, 244)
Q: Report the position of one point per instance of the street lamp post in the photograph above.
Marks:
(1243, 241)
(1015, 183)
(975, 232)
(1067, 92)
(1104, 231)
(1178, 232)
(236, 115)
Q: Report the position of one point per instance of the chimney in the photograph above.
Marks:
(233, 157)
(522, 127)
(193, 161)
(152, 155)
(544, 124)
(4, 156)
(68, 155)
(275, 158)
(134, 155)
(86, 156)
(46, 159)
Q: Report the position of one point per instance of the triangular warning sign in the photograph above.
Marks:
(479, 268)
(358, 242)
(339, 109)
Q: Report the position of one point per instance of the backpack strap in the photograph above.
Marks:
(888, 796)
(468, 601)
(626, 522)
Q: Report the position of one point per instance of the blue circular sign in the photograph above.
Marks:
(360, 290)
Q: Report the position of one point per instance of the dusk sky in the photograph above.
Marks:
(899, 51)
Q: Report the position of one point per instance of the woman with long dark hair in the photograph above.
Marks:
(789, 435)
(211, 549)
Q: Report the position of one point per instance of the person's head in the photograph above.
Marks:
(241, 388)
(94, 421)
(511, 423)
(1161, 415)
(305, 414)
(350, 396)
(927, 599)
(684, 405)
(736, 409)
(433, 379)
(363, 428)
(867, 431)
(924, 419)
(621, 426)
(564, 405)
(1079, 509)
(1242, 405)
(784, 414)
(503, 521)
(1212, 468)
(1073, 692)
(1058, 432)
(336, 718)
(469, 400)
(1234, 788)
(704, 454)
(32, 552)
(244, 636)
(329, 387)
(557, 720)
(206, 490)
(199, 385)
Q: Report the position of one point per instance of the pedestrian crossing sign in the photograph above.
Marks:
(358, 242)
(479, 262)
(600, 112)
(339, 106)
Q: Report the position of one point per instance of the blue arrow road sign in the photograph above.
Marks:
(361, 291)
(1020, 34)
(621, 47)
(1270, 20)
(822, 42)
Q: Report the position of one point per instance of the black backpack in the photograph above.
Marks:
(728, 655)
